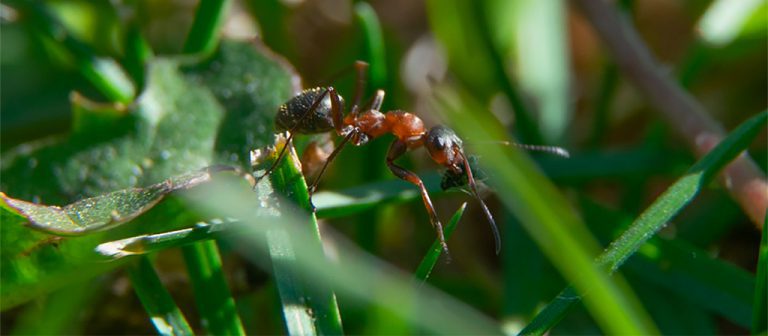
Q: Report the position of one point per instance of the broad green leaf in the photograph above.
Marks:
(100, 212)
(187, 118)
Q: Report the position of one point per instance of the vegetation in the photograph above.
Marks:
(128, 203)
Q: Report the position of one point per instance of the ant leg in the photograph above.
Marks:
(361, 69)
(375, 102)
(312, 187)
(397, 149)
(279, 158)
(473, 187)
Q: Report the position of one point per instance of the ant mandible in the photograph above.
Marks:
(320, 110)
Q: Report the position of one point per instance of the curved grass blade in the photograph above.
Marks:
(760, 306)
(204, 34)
(430, 259)
(374, 43)
(680, 268)
(150, 243)
(105, 74)
(165, 315)
(548, 217)
(656, 216)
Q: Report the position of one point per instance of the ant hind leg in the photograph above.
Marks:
(397, 149)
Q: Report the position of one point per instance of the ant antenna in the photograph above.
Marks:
(560, 151)
(473, 187)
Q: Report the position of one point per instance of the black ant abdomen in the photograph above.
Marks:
(299, 116)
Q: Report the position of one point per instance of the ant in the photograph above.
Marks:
(320, 110)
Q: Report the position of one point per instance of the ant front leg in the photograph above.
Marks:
(397, 149)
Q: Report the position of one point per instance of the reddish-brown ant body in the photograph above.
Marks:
(320, 110)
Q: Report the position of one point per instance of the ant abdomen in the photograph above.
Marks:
(293, 114)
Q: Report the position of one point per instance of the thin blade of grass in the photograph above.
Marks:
(433, 254)
(681, 268)
(204, 34)
(548, 217)
(212, 296)
(308, 308)
(656, 216)
(150, 243)
(760, 306)
(165, 315)
(374, 43)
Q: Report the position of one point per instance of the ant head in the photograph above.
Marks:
(445, 148)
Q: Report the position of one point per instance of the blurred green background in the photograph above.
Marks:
(542, 72)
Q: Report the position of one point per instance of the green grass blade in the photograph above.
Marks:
(105, 74)
(204, 34)
(524, 125)
(356, 274)
(307, 307)
(374, 44)
(543, 67)
(680, 267)
(430, 259)
(760, 306)
(548, 217)
(212, 296)
(150, 243)
(160, 307)
(658, 214)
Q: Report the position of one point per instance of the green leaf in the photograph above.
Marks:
(100, 212)
(658, 214)
(212, 112)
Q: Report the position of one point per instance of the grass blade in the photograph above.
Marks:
(430, 259)
(204, 34)
(105, 74)
(212, 296)
(357, 274)
(657, 215)
(548, 217)
(307, 307)
(760, 306)
(374, 44)
(161, 308)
